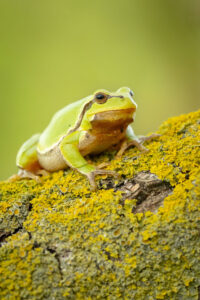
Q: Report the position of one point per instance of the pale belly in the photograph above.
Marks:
(90, 143)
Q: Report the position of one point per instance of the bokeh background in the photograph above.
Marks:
(56, 52)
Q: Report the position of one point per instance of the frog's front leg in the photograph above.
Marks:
(132, 140)
(73, 158)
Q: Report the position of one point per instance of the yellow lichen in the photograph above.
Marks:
(67, 242)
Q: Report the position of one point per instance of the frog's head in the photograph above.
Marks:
(119, 100)
(105, 109)
(112, 109)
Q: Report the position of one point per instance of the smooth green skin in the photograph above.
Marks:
(57, 132)
(66, 118)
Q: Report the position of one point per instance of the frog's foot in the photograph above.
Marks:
(91, 176)
(103, 165)
(137, 143)
(148, 138)
(126, 144)
(24, 174)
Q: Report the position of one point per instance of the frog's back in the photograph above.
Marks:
(60, 124)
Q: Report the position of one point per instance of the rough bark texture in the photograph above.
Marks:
(135, 238)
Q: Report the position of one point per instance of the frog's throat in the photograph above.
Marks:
(84, 110)
(112, 119)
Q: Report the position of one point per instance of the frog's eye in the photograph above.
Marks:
(101, 98)
(131, 93)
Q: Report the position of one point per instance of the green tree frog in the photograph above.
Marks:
(88, 126)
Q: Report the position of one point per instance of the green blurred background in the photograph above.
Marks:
(56, 52)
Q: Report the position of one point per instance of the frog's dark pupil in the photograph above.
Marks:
(100, 96)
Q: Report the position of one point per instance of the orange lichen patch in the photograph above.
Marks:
(73, 243)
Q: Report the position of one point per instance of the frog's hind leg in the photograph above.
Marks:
(22, 173)
(27, 160)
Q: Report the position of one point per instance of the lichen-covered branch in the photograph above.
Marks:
(137, 237)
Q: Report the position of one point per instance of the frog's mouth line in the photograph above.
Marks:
(114, 113)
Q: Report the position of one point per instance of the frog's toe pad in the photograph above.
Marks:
(106, 172)
(148, 138)
(103, 165)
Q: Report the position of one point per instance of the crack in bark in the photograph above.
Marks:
(4, 236)
(52, 251)
(57, 257)
(145, 187)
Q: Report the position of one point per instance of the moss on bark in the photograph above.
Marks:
(59, 240)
